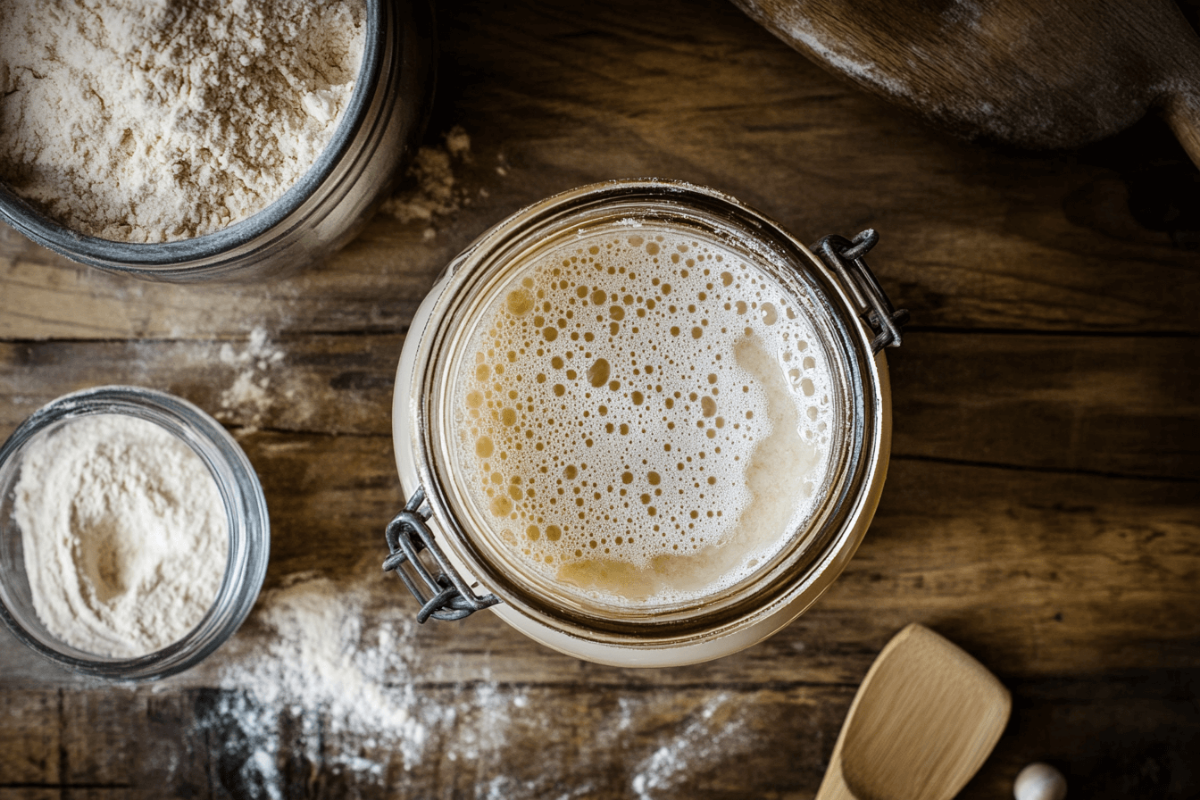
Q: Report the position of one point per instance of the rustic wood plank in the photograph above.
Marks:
(1115, 738)
(608, 744)
(1110, 405)
(63, 301)
(973, 237)
(100, 744)
(1049, 573)
(326, 384)
(1123, 736)
(31, 738)
(1119, 405)
(1037, 574)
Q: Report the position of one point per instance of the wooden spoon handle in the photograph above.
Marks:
(1182, 113)
(1180, 107)
(833, 785)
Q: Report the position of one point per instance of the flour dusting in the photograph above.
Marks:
(333, 688)
(710, 737)
(321, 657)
(346, 678)
(251, 392)
(434, 190)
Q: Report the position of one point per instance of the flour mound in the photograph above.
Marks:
(154, 122)
(124, 533)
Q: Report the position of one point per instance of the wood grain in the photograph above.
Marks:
(769, 742)
(1106, 405)
(1052, 74)
(1040, 508)
(1036, 574)
(1122, 405)
(925, 718)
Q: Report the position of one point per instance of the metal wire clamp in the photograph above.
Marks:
(845, 257)
(449, 597)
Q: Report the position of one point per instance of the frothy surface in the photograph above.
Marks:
(643, 416)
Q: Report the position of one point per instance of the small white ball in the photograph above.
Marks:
(1040, 782)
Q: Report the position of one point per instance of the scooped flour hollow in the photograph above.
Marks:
(124, 533)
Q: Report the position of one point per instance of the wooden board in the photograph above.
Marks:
(1041, 508)
(1039, 75)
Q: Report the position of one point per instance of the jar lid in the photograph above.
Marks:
(641, 414)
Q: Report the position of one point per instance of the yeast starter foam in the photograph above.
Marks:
(646, 417)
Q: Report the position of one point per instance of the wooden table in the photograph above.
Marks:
(1041, 508)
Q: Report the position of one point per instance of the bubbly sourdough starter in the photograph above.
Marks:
(644, 416)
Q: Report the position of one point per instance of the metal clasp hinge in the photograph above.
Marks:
(449, 597)
(845, 257)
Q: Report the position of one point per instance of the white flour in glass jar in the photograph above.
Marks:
(159, 121)
(124, 535)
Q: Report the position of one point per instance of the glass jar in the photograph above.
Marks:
(245, 512)
(379, 130)
(446, 547)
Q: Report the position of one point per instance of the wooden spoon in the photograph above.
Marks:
(924, 720)
(1034, 73)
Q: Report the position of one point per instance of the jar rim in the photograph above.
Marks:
(464, 275)
(241, 495)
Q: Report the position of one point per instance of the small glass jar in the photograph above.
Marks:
(442, 549)
(245, 513)
(330, 203)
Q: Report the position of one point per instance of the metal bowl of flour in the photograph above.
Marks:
(49, 621)
(379, 130)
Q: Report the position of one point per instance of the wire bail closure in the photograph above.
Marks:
(444, 595)
(449, 597)
(845, 257)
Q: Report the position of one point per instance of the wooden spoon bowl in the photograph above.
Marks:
(924, 720)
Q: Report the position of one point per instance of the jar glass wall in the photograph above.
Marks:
(245, 514)
(326, 207)
(427, 425)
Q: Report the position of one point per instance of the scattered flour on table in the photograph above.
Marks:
(319, 657)
(432, 190)
(251, 392)
(250, 378)
(124, 534)
(350, 684)
(332, 676)
(707, 739)
(153, 122)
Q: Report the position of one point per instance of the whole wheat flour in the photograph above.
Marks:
(124, 534)
(432, 191)
(158, 121)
